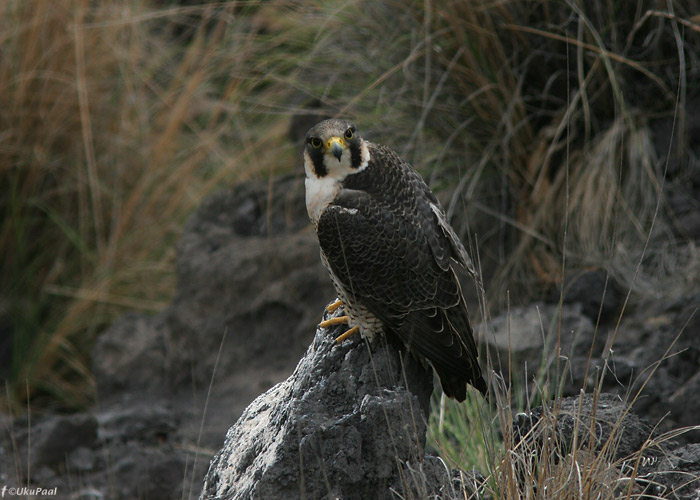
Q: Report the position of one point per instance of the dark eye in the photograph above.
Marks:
(315, 142)
(348, 134)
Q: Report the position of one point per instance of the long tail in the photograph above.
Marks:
(444, 337)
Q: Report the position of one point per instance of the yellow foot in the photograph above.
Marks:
(335, 305)
(352, 331)
(340, 320)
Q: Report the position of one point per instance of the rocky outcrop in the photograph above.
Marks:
(656, 352)
(250, 291)
(653, 353)
(608, 444)
(127, 452)
(530, 336)
(349, 423)
(249, 275)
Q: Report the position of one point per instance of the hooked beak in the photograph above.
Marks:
(336, 146)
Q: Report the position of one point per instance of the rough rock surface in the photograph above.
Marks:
(662, 350)
(605, 432)
(530, 335)
(654, 354)
(568, 420)
(677, 476)
(248, 270)
(249, 274)
(593, 291)
(133, 451)
(349, 423)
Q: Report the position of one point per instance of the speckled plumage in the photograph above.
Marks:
(392, 257)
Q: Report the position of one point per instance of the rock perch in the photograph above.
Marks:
(349, 423)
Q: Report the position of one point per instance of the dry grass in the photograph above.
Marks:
(123, 115)
(562, 450)
(118, 119)
(119, 116)
(554, 92)
(562, 102)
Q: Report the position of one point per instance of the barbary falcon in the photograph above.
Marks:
(390, 252)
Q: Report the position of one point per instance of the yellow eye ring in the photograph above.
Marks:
(348, 134)
(316, 142)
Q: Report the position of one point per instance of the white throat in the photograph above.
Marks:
(320, 191)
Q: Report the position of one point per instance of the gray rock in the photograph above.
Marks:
(129, 452)
(677, 476)
(145, 422)
(529, 336)
(248, 272)
(81, 460)
(656, 353)
(55, 437)
(142, 472)
(605, 432)
(594, 290)
(684, 403)
(568, 420)
(131, 354)
(349, 423)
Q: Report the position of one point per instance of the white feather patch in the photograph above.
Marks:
(320, 191)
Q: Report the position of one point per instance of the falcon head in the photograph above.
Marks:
(333, 149)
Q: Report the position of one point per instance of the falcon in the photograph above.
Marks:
(390, 252)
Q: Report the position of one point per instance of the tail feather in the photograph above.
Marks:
(445, 340)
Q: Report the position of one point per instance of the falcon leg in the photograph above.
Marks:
(335, 305)
(340, 320)
(352, 331)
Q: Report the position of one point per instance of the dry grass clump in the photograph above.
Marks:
(559, 99)
(118, 117)
(542, 119)
(121, 115)
(590, 446)
(585, 463)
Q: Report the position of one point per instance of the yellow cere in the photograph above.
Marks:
(330, 142)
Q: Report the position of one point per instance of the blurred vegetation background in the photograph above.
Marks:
(544, 125)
